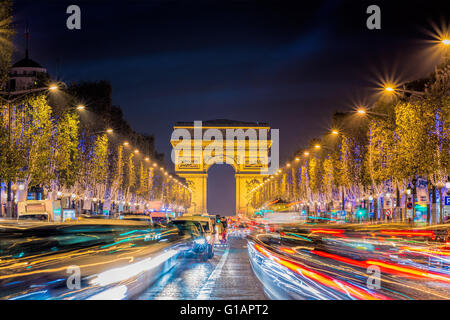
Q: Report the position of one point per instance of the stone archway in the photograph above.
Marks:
(249, 158)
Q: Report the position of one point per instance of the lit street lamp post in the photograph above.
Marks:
(446, 43)
(364, 112)
(412, 92)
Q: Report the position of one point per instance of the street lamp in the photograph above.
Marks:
(335, 132)
(56, 86)
(361, 111)
(81, 107)
(446, 42)
(108, 131)
(390, 89)
(365, 112)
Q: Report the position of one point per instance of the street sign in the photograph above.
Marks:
(409, 210)
(87, 204)
(409, 213)
(447, 200)
(388, 212)
(107, 205)
(422, 199)
(446, 211)
(422, 191)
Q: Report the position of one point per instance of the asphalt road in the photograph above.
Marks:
(228, 275)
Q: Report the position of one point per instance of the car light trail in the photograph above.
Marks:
(288, 250)
(432, 252)
(116, 293)
(327, 231)
(408, 233)
(123, 273)
(412, 271)
(388, 267)
(341, 286)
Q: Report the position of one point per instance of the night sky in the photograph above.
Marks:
(288, 63)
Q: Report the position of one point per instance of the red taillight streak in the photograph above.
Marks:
(408, 233)
(441, 253)
(288, 250)
(327, 231)
(326, 280)
(361, 264)
(409, 270)
(387, 267)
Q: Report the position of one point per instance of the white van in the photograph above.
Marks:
(35, 210)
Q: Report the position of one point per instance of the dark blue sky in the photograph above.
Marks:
(288, 63)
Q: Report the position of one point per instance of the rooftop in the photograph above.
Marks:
(26, 63)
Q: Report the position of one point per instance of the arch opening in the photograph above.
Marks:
(221, 190)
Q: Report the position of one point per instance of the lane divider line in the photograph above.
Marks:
(206, 290)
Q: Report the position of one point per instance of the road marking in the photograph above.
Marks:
(205, 291)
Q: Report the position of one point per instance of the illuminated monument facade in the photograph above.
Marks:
(243, 145)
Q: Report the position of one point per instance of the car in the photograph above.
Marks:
(160, 220)
(208, 229)
(41, 216)
(98, 217)
(198, 246)
(137, 217)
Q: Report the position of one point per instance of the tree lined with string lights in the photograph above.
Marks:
(371, 158)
